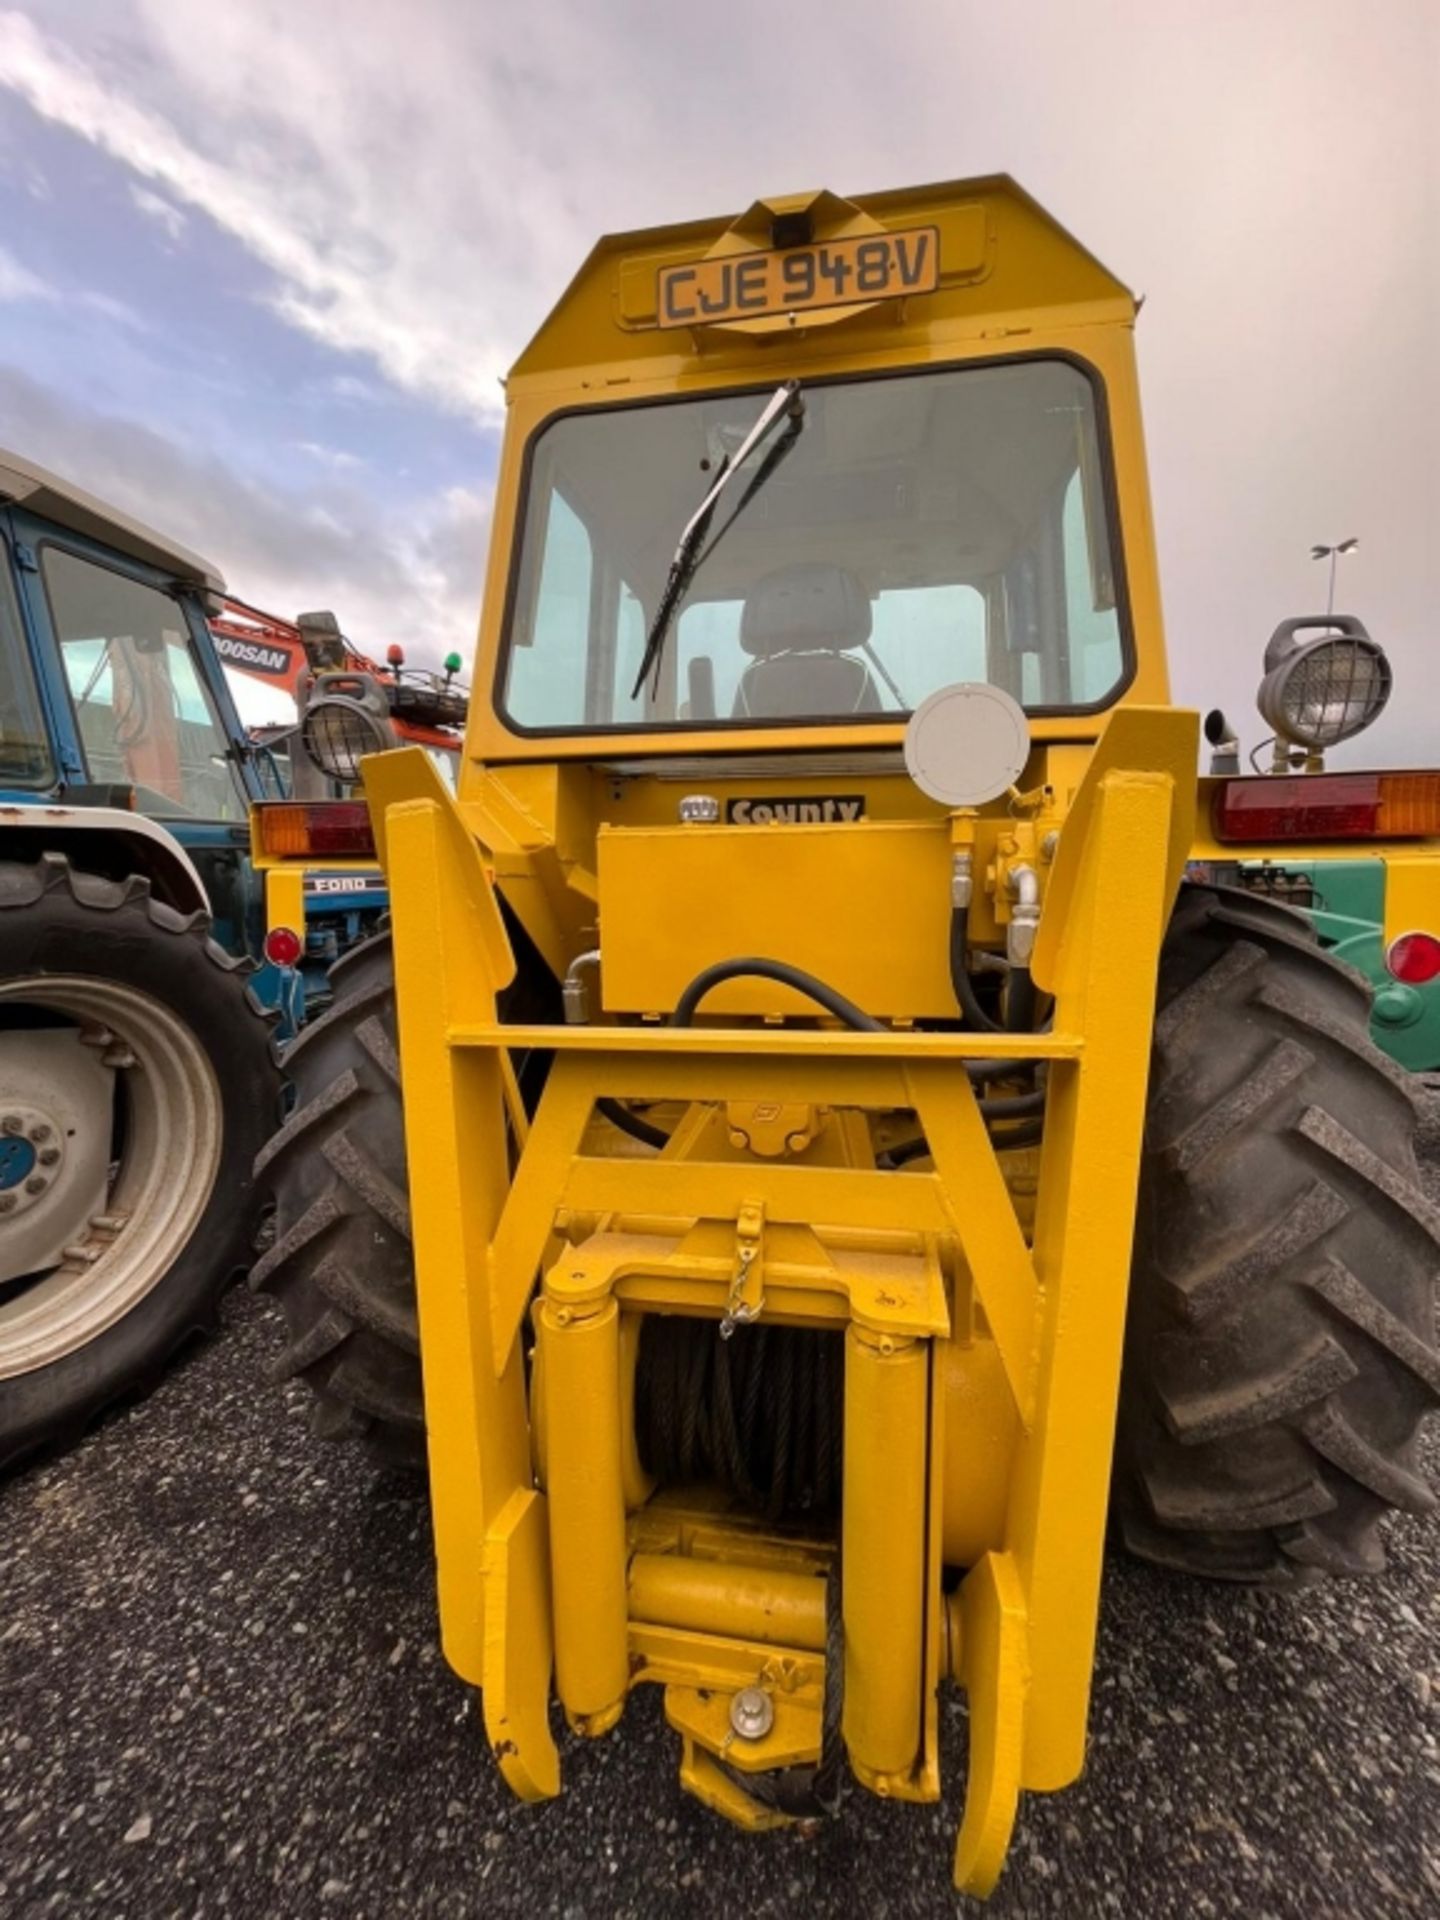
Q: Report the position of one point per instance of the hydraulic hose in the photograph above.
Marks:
(827, 997)
(1028, 1135)
(960, 972)
(1021, 1001)
(834, 1002)
(620, 1116)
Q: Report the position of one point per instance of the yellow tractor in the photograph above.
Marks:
(812, 1048)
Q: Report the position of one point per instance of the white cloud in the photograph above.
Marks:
(405, 570)
(17, 282)
(341, 276)
(162, 211)
(119, 312)
(336, 458)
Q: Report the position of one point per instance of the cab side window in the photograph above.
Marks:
(25, 759)
(145, 715)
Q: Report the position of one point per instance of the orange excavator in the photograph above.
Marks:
(426, 709)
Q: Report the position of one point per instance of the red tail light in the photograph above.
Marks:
(285, 829)
(283, 946)
(1327, 806)
(1414, 958)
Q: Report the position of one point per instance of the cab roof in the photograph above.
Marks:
(24, 483)
(1002, 257)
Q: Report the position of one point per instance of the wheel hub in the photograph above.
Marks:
(57, 1109)
(122, 1110)
(32, 1156)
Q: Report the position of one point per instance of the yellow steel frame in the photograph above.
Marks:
(538, 1577)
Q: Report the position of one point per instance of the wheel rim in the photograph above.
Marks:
(166, 1143)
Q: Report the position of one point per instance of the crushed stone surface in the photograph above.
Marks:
(221, 1693)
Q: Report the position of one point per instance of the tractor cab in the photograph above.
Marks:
(111, 694)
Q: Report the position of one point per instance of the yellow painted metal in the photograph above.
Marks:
(581, 1336)
(661, 1045)
(285, 898)
(883, 1547)
(763, 1604)
(676, 1656)
(1103, 971)
(993, 1661)
(982, 1429)
(1412, 892)
(819, 884)
(516, 1677)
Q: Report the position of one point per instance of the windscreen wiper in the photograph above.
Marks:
(785, 403)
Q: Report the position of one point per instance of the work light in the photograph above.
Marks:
(338, 733)
(1320, 691)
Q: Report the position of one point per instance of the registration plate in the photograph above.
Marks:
(836, 273)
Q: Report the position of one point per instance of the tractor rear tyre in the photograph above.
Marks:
(136, 1083)
(1281, 1346)
(341, 1266)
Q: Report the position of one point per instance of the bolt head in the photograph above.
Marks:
(7, 1203)
(37, 1183)
(48, 1156)
(40, 1131)
(12, 1123)
(752, 1713)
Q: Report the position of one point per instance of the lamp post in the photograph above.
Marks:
(1332, 554)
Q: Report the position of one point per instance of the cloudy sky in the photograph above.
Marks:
(262, 262)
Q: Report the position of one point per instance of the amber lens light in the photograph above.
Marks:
(1414, 958)
(1327, 806)
(289, 829)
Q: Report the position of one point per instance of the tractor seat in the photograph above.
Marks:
(800, 626)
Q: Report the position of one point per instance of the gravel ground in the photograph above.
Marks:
(222, 1695)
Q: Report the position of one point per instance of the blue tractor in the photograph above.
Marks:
(137, 1075)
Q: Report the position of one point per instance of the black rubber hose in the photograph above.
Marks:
(827, 997)
(1013, 1106)
(788, 976)
(631, 1123)
(1022, 1001)
(960, 973)
(904, 1151)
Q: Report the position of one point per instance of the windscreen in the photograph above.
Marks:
(912, 531)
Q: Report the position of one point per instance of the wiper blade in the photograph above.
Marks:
(692, 552)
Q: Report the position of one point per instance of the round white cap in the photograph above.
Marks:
(967, 744)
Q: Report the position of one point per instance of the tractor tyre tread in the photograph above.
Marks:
(341, 1266)
(1281, 1344)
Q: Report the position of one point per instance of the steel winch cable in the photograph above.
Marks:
(761, 1416)
(808, 1793)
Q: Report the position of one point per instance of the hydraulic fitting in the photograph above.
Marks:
(572, 991)
(1024, 916)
